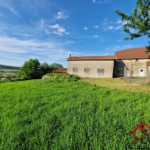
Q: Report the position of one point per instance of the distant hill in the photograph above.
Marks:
(9, 67)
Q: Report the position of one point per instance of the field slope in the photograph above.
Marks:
(69, 116)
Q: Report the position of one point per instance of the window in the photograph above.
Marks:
(75, 69)
(100, 70)
(86, 69)
(141, 70)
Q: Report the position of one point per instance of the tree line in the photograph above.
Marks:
(9, 67)
(33, 69)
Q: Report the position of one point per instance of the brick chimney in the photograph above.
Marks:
(69, 55)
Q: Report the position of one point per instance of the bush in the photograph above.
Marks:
(1, 76)
(61, 77)
(148, 83)
(14, 76)
(8, 77)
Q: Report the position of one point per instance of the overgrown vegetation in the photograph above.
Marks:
(32, 69)
(69, 115)
(118, 84)
(60, 77)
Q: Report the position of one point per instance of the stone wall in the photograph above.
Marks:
(137, 64)
(107, 65)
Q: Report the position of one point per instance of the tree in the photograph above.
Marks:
(55, 66)
(30, 70)
(139, 21)
(45, 68)
(8, 77)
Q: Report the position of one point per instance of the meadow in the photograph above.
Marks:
(69, 115)
(8, 71)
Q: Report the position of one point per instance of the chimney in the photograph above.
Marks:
(69, 55)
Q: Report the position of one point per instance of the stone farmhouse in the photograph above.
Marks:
(111, 66)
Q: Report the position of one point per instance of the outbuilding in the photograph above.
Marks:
(110, 66)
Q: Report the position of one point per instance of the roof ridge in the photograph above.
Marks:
(93, 56)
(129, 48)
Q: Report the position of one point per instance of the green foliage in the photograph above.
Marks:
(139, 21)
(71, 115)
(55, 66)
(148, 83)
(30, 70)
(60, 77)
(8, 77)
(44, 68)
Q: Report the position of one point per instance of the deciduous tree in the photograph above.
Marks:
(30, 70)
(139, 21)
(55, 66)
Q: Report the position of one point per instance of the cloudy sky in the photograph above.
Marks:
(51, 29)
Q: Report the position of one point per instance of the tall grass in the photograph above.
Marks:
(69, 116)
(61, 77)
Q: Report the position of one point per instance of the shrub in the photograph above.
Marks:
(14, 76)
(8, 77)
(60, 77)
(1, 76)
(148, 83)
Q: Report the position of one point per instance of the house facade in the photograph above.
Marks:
(110, 66)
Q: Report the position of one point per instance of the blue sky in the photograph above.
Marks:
(51, 29)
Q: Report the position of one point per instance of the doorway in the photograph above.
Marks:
(141, 72)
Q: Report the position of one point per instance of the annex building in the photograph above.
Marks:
(110, 66)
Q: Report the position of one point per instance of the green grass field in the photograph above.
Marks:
(41, 115)
(8, 71)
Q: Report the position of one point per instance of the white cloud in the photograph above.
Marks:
(125, 22)
(26, 35)
(102, 40)
(101, 1)
(8, 5)
(118, 40)
(47, 32)
(85, 28)
(16, 49)
(60, 15)
(60, 30)
(110, 27)
(56, 26)
(117, 48)
(118, 27)
(96, 26)
(95, 36)
(58, 33)
(41, 24)
(132, 30)
(119, 21)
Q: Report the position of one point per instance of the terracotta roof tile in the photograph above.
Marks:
(132, 53)
(60, 70)
(92, 57)
(123, 54)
